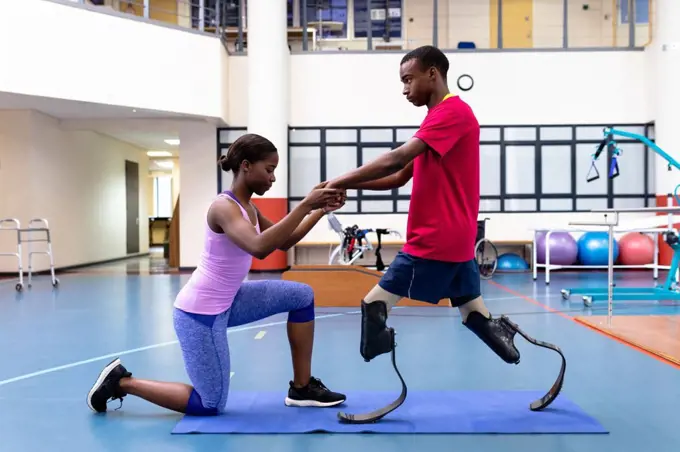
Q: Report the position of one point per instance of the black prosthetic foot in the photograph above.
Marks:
(499, 335)
(496, 334)
(376, 338)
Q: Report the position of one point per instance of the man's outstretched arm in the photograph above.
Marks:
(384, 166)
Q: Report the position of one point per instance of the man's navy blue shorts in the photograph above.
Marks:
(430, 281)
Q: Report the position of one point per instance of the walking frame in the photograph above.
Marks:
(38, 226)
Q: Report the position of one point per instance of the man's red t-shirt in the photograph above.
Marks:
(442, 217)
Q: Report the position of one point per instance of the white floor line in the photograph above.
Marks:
(149, 347)
(260, 334)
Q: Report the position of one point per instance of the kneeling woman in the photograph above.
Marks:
(217, 297)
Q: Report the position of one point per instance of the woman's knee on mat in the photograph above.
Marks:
(198, 407)
(303, 295)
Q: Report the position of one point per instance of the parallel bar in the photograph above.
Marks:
(639, 210)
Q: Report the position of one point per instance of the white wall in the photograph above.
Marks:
(510, 88)
(91, 56)
(74, 179)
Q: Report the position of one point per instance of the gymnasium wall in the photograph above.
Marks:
(109, 58)
(74, 179)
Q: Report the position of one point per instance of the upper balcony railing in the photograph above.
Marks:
(399, 25)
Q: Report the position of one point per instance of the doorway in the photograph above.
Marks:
(518, 24)
(132, 206)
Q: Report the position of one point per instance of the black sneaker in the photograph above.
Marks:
(106, 387)
(315, 394)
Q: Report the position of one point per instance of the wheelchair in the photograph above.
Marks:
(486, 253)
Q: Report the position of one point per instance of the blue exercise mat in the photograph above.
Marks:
(423, 412)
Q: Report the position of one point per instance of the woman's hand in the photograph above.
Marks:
(322, 197)
(336, 204)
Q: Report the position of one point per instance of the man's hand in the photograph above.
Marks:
(335, 204)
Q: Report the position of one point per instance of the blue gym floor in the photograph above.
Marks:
(54, 343)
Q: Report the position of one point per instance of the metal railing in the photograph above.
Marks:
(199, 15)
(486, 25)
(399, 25)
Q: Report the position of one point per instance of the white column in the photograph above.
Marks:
(663, 74)
(268, 82)
(268, 104)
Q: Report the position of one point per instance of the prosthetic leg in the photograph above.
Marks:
(499, 334)
(376, 339)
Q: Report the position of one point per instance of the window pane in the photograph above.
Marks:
(368, 155)
(341, 160)
(385, 15)
(376, 135)
(631, 179)
(304, 136)
(490, 172)
(163, 196)
(629, 203)
(377, 206)
(402, 205)
(229, 136)
(555, 133)
(526, 205)
(520, 173)
(556, 169)
(556, 204)
(489, 205)
(489, 134)
(591, 203)
(341, 136)
(519, 134)
(330, 19)
(305, 169)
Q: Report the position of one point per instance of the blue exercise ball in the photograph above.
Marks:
(512, 262)
(593, 248)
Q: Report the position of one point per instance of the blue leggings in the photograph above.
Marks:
(203, 338)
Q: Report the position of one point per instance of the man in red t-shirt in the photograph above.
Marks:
(438, 259)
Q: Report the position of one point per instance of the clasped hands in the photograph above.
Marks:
(323, 196)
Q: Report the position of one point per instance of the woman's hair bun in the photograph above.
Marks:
(224, 163)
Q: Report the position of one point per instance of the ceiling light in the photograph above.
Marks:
(159, 153)
(172, 141)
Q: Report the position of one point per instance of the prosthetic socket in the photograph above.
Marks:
(376, 338)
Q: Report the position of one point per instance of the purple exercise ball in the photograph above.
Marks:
(563, 248)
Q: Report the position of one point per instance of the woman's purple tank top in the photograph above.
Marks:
(222, 267)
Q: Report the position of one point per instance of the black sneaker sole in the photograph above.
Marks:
(100, 379)
(311, 403)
